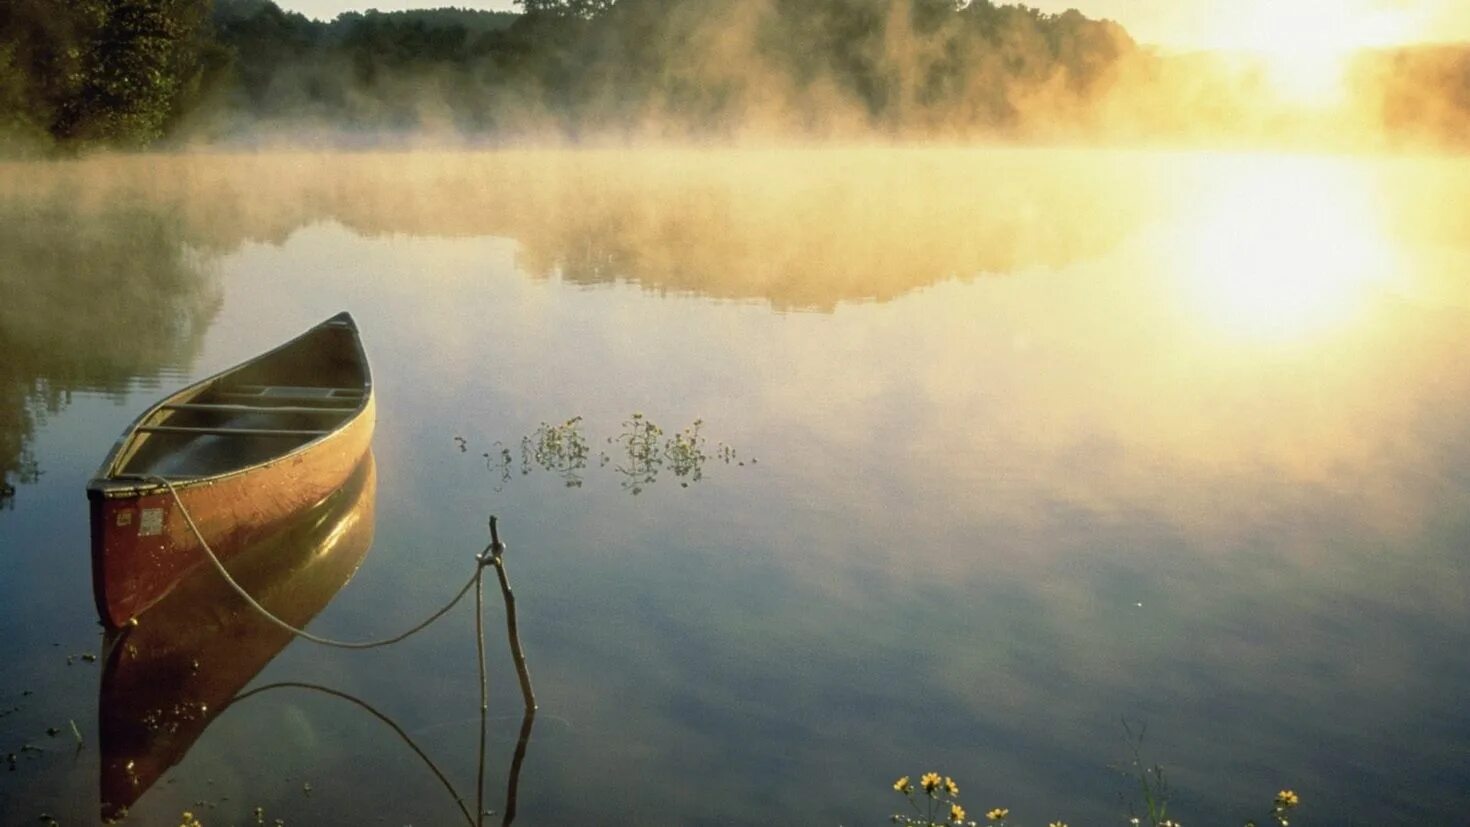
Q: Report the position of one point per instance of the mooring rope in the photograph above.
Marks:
(491, 556)
(481, 560)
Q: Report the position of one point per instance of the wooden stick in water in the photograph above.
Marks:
(484, 691)
(497, 549)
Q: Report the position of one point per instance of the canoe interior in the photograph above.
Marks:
(261, 410)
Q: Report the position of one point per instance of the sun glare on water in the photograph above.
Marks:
(1284, 248)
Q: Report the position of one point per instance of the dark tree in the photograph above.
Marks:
(140, 69)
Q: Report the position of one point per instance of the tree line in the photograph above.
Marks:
(98, 71)
(136, 73)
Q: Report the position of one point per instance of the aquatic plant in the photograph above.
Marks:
(558, 448)
(639, 440)
(498, 462)
(1286, 802)
(938, 805)
(685, 453)
(935, 803)
(639, 453)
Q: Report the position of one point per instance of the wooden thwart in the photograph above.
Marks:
(313, 391)
(254, 409)
(352, 401)
(188, 429)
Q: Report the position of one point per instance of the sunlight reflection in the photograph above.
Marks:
(1284, 248)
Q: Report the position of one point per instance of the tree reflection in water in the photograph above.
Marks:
(97, 298)
(102, 260)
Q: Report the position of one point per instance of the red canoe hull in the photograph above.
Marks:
(244, 451)
(142, 545)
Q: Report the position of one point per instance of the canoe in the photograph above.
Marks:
(167, 679)
(244, 450)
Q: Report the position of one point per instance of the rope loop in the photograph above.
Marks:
(302, 633)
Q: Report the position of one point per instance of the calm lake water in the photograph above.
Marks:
(1001, 447)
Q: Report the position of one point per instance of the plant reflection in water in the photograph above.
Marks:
(639, 454)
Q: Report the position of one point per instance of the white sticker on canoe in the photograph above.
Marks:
(151, 525)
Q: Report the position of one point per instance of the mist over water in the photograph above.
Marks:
(1088, 381)
(1046, 438)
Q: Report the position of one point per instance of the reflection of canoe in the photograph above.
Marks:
(166, 678)
(246, 449)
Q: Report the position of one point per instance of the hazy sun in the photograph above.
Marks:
(1307, 43)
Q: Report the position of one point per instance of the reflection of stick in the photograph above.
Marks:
(513, 784)
(497, 549)
(423, 756)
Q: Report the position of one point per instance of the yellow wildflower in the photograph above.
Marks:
(956, 813)
(1057, 824)
(1286, 799)
(951, 787)
(998, 814)
(930, 782)
(902, 785)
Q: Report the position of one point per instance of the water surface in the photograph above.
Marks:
(1033, 442)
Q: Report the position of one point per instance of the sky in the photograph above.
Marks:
(328, 9)
(1258, 25)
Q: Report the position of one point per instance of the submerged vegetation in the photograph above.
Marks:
(131, 73)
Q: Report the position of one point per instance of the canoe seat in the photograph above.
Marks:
(290, 393)
(216, 431)
(295, 390)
